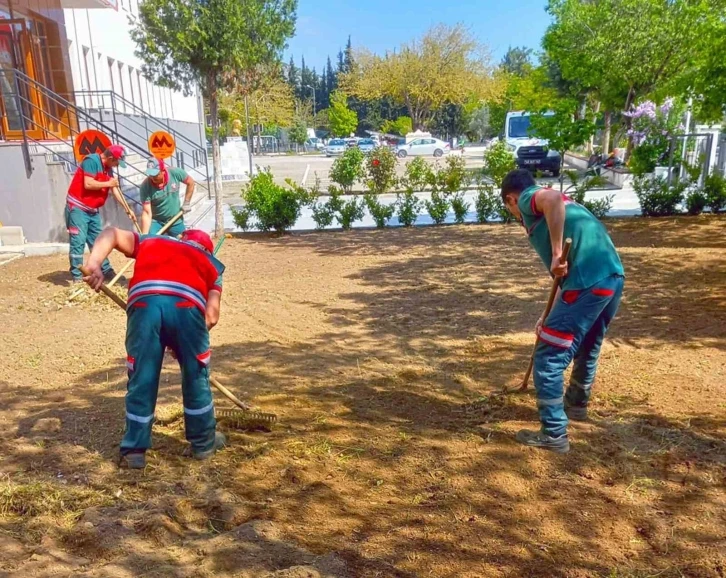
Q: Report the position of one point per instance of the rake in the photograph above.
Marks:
(548, 309)
(244, 417)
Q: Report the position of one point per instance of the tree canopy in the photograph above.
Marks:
(446, 66)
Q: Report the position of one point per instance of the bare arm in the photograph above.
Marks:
(191, 185)
(92, 184)
(552, 205)
(146, 219)
(110, 239)
(214, 304)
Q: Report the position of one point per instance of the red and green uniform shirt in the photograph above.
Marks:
(80, 197)
(592, 255)
(167, 266)
(165, 201)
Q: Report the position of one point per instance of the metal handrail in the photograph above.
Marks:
(199, 153)
(71, 108)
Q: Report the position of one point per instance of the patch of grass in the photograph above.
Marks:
(46, 498)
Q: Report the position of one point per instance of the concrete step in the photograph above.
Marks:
(10, 236)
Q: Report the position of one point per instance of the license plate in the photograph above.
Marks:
(531, 162)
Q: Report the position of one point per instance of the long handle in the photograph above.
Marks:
(548, 309)
(106, 291)
(121, 303)
(163, 230)
(128, 210)
(228, 394)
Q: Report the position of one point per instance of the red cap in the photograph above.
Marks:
(117, 151)
(199, 238)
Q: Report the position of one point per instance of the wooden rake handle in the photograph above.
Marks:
(127, 208)
(548, 309)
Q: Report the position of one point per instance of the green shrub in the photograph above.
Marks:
(438, 207)
(450, 178)
(460, 208)
(578, 188)
(348, 168)
(323, 215)
(715, 191)
(498, 161)
(656, 197)
(381, 170)
(696, 201)
(489, 205)
(273, 206)
(242, 217)
(350, 211)
(408, 206)
(418, 175)
(380, 212)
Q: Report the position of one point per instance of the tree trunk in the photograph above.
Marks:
(608, 119)
(591, 140)
(216, 158)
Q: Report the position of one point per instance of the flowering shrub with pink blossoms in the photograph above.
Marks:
(651, 129)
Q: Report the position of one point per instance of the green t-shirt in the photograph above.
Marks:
(166, 202)
(592, 255)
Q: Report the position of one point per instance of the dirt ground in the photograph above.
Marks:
(380, 352)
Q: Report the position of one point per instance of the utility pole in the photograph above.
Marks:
(249, 138)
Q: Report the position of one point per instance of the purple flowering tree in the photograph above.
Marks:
(651, 130)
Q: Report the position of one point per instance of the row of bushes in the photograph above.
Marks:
(269, 206)
(658, 198)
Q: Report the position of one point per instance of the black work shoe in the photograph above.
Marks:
(108, 275)
(219, 442)
(576, 413)
(535, 439)
(133, 461)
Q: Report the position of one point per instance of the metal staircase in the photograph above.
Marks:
(58, 111)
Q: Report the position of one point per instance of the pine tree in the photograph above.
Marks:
(332, 79)
(341, 62)
(348, 60)
(292, 74)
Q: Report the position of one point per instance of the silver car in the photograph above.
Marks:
(423, 147)
(335, 147)
(366, 145)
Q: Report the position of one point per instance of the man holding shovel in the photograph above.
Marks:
(174, 300)
(590, 288)
(160, 197)
(87, 193)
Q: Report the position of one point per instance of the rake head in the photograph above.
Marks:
(246, 420)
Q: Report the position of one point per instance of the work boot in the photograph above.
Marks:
(219, 442)
(108, 275)
(133, 460)
(535, 439)
(575, 412)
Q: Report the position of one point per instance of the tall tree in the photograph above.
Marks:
(446, 66)
(343, 121)
(623, 50)
(213, 44)
(348, 58)
(341, 64)
(293, 74)
(517, 61)
(331, 77)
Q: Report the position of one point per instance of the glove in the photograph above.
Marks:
(186, 207)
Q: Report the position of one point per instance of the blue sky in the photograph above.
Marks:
(323, 26)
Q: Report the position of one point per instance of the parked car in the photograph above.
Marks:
(421, 147)
(366, 145)
(336, 146)
(314, 144)
(351, 142)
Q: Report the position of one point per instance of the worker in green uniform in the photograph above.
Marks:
(160, 197)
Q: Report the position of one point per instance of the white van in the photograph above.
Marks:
(529, 151)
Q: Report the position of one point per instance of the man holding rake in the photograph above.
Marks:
(590, 288)
(174, 300)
